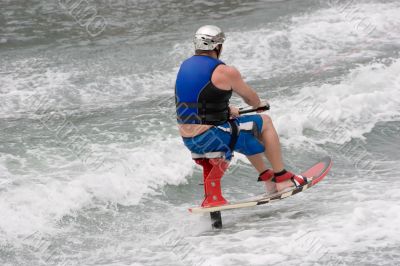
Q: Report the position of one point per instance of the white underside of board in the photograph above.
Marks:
(262, 199)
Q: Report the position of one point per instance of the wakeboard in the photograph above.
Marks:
(314, 175)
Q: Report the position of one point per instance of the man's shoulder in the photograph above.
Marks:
(226, 70)
(224, 77)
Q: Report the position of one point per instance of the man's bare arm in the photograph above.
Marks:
(240, 87)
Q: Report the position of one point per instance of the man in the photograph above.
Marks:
(207, 123)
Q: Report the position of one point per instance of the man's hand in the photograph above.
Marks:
(233, 111)
(262, 104)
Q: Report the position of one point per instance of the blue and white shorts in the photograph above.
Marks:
(217, 138)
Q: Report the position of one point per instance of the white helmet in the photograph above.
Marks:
(208, 38)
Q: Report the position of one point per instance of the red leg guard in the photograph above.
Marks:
(266, 175)
(213, 170)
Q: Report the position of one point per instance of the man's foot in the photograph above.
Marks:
(266, 177)
(286, 179)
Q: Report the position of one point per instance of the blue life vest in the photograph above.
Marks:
(197, 100)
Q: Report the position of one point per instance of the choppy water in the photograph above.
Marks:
(92, 171)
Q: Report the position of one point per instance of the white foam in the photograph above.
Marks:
(23, 91)
(313, 41)
(132, 173)
(339, 112)
(125, 178)
(29, 85)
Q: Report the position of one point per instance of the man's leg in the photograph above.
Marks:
(271, 143)
(258, 163)
(273, 149)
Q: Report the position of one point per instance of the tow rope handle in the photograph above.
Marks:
(266, 107)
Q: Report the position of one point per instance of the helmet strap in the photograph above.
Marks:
(218, 50)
